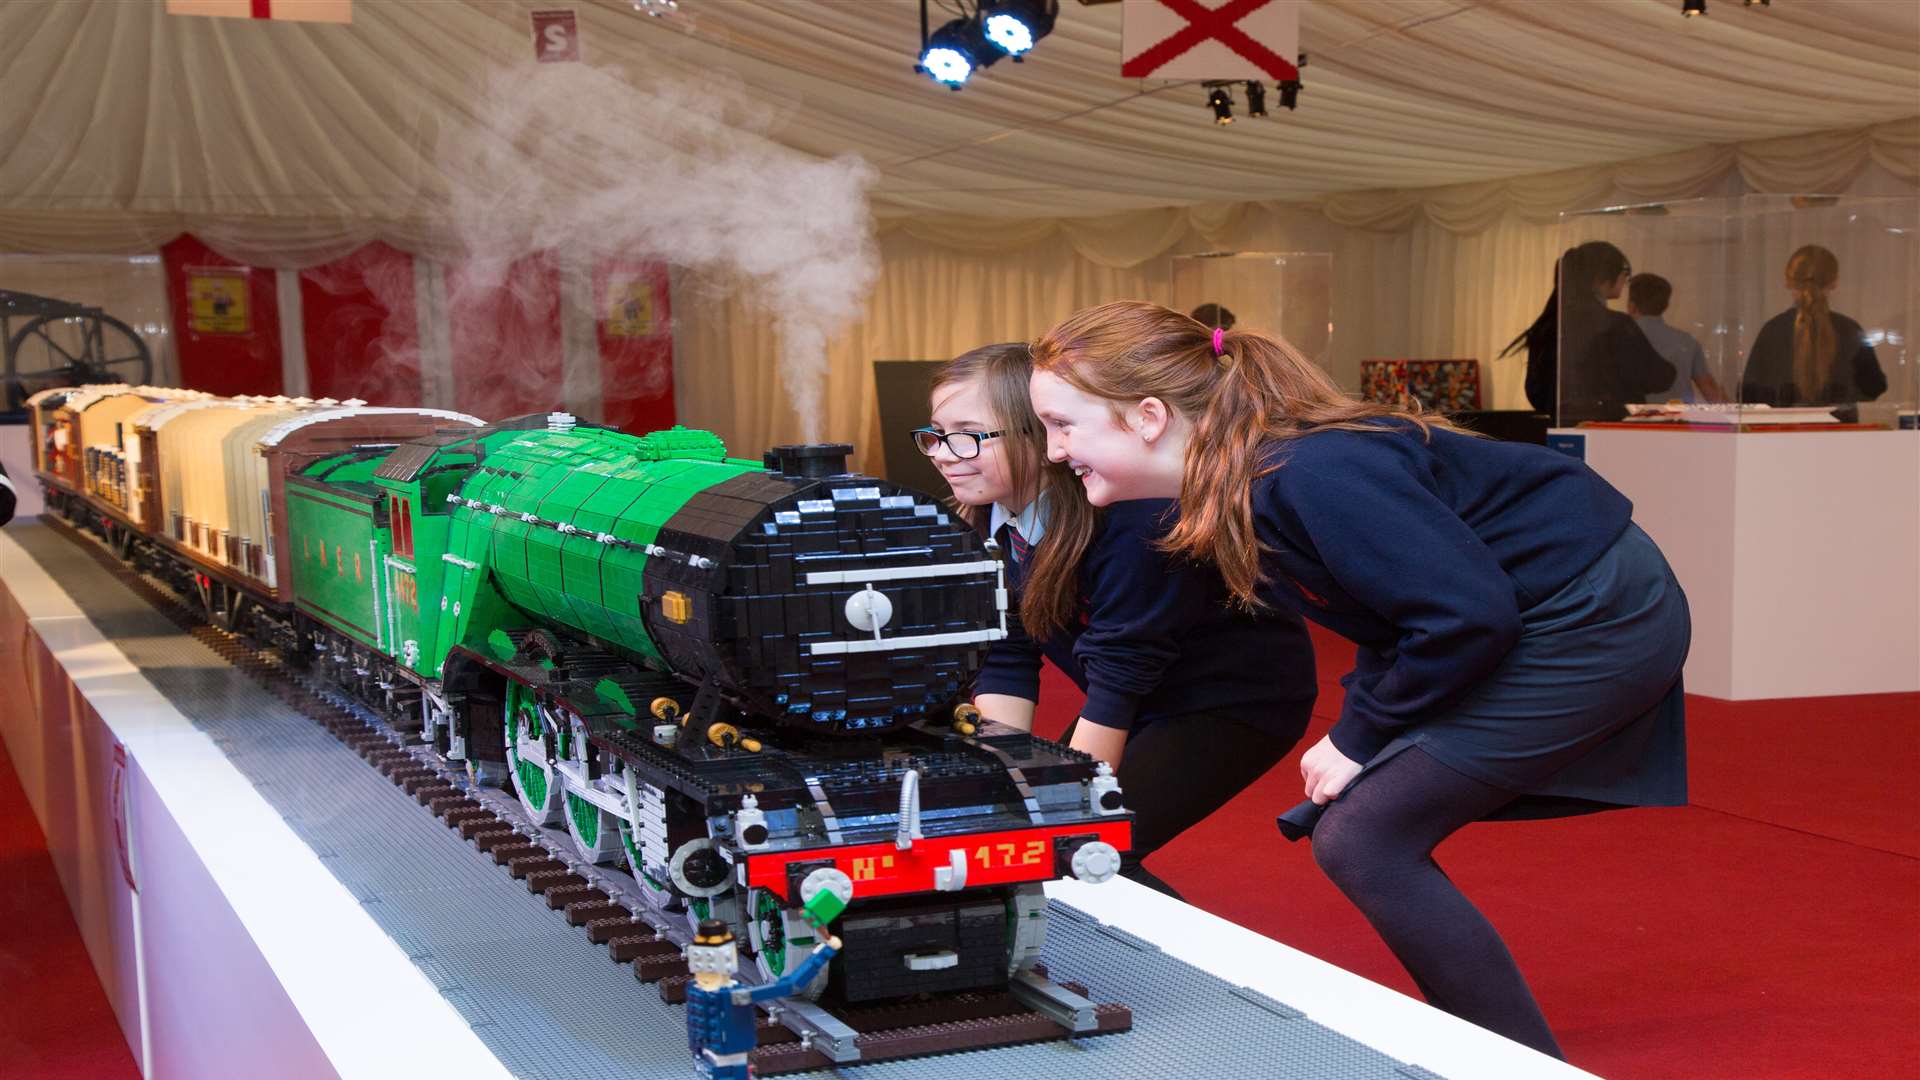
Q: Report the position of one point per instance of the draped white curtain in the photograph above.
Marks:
(1447, 272)
(290, 145)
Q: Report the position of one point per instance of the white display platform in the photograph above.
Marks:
(237, 954)
(224, 945)
(1799, 551)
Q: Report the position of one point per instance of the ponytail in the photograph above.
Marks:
(1255, 392)
(1811, 273)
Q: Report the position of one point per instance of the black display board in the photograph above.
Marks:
(901, 386)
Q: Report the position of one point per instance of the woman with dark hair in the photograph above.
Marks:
(1586, 361)
(1811, 354)
(1190, 699)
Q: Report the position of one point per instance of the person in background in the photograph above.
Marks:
(1811, 354)
(1648, 296)
(1586, 361)
(1189, 699)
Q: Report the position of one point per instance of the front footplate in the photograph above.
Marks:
(818, 1029)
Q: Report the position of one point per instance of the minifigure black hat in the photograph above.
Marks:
(713, 932)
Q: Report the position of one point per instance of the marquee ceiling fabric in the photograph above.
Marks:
(121, 125)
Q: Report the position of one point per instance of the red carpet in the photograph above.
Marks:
(1770, 930)
(57, 1024)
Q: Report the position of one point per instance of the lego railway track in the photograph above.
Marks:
(586, 898)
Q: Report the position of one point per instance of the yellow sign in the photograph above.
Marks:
(217, 301)
(630, 308)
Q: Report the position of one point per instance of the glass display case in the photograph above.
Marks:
(1741, 311)
(66, 320)
(1289, 293)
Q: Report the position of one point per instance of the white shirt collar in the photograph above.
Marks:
(1032, 522)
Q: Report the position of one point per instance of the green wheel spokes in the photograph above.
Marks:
(586, 819)
(534, 777)
(772, 946)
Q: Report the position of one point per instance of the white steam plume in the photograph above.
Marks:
(582, 161)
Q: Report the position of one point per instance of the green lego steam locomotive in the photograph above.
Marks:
(741, 679)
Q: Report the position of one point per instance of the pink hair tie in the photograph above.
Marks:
(1219, 337)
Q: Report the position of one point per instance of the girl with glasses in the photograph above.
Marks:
(1520, 638)
(1189, 698)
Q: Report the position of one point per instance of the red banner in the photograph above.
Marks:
(633, 326)
(226, 321)
(362, 327)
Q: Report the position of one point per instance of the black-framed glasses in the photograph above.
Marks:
(961, 444)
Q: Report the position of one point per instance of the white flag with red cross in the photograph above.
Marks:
(1210, 39)
(334, 11)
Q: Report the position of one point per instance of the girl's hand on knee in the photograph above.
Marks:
(1327, 771)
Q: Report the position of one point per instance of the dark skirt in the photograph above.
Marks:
(1586, 713)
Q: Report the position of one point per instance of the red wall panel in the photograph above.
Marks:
(216, 354)
(362, 327)
(504, 333)
(633, 326)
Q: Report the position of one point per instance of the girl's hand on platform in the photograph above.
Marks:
(1327, 771)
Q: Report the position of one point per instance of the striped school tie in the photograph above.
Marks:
(1018, 543)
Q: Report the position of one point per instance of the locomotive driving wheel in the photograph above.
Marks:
(595, 832)
(531, 746)
(782, 939)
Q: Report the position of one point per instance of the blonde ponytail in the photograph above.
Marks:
(1811, 274)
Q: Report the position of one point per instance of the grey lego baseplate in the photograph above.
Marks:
(550, 1004)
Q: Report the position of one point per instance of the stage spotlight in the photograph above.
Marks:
(1690, 8)
(1759, 3)
(1256, 98)
(1290, 94)
(957, 50)
(1222, 105)
(945, 61)
(1015, 25)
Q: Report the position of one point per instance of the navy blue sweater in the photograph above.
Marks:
(1157, 638)
(1424, 553)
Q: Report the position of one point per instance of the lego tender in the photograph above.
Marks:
(742, 680)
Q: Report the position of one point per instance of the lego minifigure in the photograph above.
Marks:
(720, 1016)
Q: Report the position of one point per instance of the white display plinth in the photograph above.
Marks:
(224, 945)
(1799, 551)
(238, 954)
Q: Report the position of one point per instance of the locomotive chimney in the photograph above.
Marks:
(811, 461)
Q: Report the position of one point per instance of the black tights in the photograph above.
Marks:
(1376, 843)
